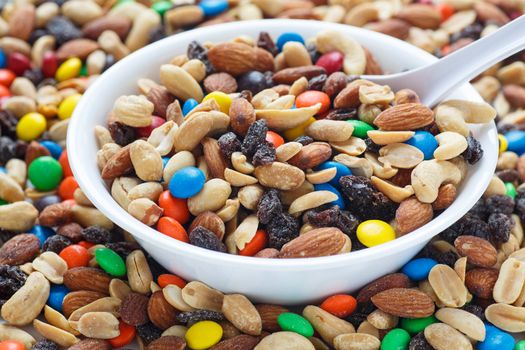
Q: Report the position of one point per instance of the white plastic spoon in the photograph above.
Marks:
(434, 81)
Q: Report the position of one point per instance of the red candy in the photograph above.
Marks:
(6, 77)
(312, 97)
(126, 336)
(171, 227)
(75, 256)
(274, 138)
(167, 278)
(331, 61)
(64, 161)
(67, 188)
(4, 92)
(155, 123)
(176, 208)
(340, 305)
(12, 345)
(258, 243)
(18, 63)
(86, 244)
(49, 64)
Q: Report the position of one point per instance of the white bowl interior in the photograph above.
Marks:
(287, 281)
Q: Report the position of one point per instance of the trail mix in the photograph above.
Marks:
(278, 161)
(40, 39)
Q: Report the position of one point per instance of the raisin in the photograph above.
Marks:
(204, 238)
(63, 30)
(45, 201)
(419, 342)
(500, 226)
(500, 204)
(45, 345)
(269, 206)
(472, 225)
(304, 140)
(110, 60)
(365, 201)
(312, 50)
(508, 175)
(281, 230)
(505, 128)
(7, 149)
(448, 258)
(11, 280)
(96, 234)
(8, 123)
(122, 134)
(450, 235)
(472, 31)
(317, 83)
(123, 248)
(255, 137)
(37, 34)
(6, 235)
(333, 216)
(156, 268)
(371, 146)
(265, 42)
(157, 34)
(265, 154)
(56, 243)
(474, 152)
(479, 209)
(342, 114)
(197, 51)
(35, 75)
(356, 318)
(254, 82)
(148, 332)
(199, 315)
(20, 149)
(475, 310)
(228, 144)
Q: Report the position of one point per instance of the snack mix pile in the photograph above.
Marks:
(278, 140)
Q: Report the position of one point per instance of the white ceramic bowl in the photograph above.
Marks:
(289, 281)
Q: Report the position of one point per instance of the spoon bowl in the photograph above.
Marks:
(283, 281)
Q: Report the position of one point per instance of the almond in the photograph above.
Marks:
(478, 251)
(35, 150)
(515, 94)
(349, 96)
(311, 155)
(161, 99)
(237, 58)
(335, 83)
(419, 15)
(481, 281)
(289, 75)
(372, 66)
(412, 214)
(318, 242)
(491, 13)
(239, 342)
(56, 215)
(20, 249)
(22, 22)
(446, 195)
(407, 116)
(394, 280)
(167, 343)
(80, 48)
(87, 278)
(210, 221)
(160, 312)
(223, 82)
(118, 24)
(134, 309)
(269, 314)
(213, 156)
(393, 27)
(242, 115)
(118, 165)
(75, 300)
(91, 344)
(404, 302)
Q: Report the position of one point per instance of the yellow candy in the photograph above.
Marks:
(66, 108)
(223, 100)
(31, 126)
(375, 232)
(203, 335)
(503, 143)
(294, 133)
(69, 69)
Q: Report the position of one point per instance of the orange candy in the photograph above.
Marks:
(176, 208)
(12, 345)
(64, 161)
(171, 227)
(312, 97)
(75, 256)
(274, 138)
(340, 305)
(4, 91)
(126, 336)
(258, 243)
(67, 188)
(86, 244)
(6, 77)
(167, 278)
(446, 11)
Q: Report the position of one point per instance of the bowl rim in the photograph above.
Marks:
(113, 211)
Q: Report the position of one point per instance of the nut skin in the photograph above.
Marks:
(210, 221)
(87, 278)
(404, 302)
(481, 281)
(412, 214)
(160, 312)
(446, 196)
(236, 59)
(394, 280)
(311, 155)
(318, 242)
(77, 299)
(407, 116)
(242, 115)
(478, 251)
(20, 249)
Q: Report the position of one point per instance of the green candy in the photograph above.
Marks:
(416, 325)
(45, 173)
(360, 128)
(110, 262)
(3, 201)
(511, 190)
(520, 345)
(161, 7)
(396, 339)
(83, 71)
(289, 321)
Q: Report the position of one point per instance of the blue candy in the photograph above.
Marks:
(56, 296)
(418, 269)
(341, 169)
(425, 142)
(327, 187)
(213, 7)
(165, 161)
(286, 37)
(189, 105)
(516, 140)
(42, 233)
(2, 170)
(186, 182)
(496, 339)
(3, 59)
(53, 148)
